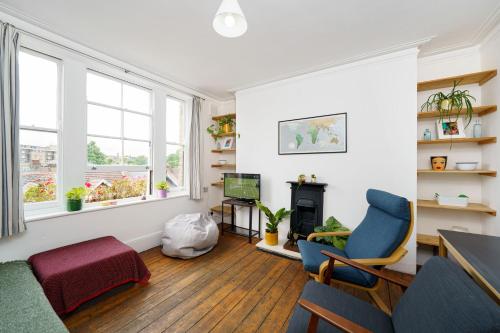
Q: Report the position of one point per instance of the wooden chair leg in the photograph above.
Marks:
(380, 303)
(313, 324)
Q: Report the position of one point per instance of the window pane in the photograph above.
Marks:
(103, 90)
(136, 99)
(101, 151)
(112, 185)
(136, 126)
(175, 166)
(175, 121)
(103, 121)
(38, 86)
(136, 153)
(38, 165)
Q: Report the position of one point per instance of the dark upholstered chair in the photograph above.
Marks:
(441, 298)
(378, 241)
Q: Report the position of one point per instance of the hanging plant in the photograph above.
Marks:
(455, 101)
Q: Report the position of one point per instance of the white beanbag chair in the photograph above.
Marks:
(189, 235)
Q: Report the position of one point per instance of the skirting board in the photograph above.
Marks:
(145, 242)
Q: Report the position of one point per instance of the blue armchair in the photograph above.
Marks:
(378, 241)
(441, 298)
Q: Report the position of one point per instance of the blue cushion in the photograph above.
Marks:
(391, 204)
(338, 302)
(383, 228)
(312, 259)
(443, 298)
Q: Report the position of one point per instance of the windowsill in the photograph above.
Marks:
(93, 207)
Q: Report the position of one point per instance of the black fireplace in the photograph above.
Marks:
(307, 205)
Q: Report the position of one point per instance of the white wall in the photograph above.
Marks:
(490, 59)
(379, 97)
(140, 224)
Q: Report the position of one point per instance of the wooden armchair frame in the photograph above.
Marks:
(334, 319)
(395, 257)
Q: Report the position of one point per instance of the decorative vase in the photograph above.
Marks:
(439, 162)
(227, 128)
(477, 130)
(427, 135)
(271, 238)
(73, 205)
(161, 193)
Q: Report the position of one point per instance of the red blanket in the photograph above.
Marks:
(74, 274)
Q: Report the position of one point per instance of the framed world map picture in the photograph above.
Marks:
(313, 135)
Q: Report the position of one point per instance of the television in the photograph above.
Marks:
(242, 186)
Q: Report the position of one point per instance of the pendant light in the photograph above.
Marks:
(230, 21)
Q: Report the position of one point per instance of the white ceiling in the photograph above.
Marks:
(174, 38)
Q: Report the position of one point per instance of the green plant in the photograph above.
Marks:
(227, 120)
(163, 185)
(212, 130)
(76, 193)
(41, 192)
(273, 219)
(455, 100)
(332, 225)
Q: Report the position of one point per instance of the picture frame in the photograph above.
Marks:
(450, 128)
(326, 134)
(227, 143)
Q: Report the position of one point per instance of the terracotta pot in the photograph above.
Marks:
(271, 238)
(227, 128)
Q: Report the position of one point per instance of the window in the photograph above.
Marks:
(39, 82)
(118, 138)
(175, 138)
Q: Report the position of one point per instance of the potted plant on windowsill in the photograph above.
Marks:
(271, 237)
(75, 198)
(162, 189)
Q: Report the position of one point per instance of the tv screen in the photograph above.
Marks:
(244, 186)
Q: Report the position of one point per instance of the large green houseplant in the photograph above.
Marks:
(455, 101)
(332, 225)
(273, 220)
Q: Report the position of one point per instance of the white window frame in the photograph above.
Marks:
(185, 145)
(34, 206)
(122, 137)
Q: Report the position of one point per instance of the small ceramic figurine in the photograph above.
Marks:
(477, 130)
(427, 135)
(439, 162)
(313, 178)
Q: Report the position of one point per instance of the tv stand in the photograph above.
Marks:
(232, 228)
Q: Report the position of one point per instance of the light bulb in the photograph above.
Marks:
(229, 21)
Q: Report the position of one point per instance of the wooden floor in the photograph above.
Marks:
(235, 287)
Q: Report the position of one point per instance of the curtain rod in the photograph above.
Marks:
(125, 70)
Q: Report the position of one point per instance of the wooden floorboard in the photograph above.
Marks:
(233, 288)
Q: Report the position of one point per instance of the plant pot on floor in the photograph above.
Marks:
(161, 193)
(271, 238)
(73, 205)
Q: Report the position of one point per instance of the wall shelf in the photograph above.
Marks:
(471, 78)
(472, 207)
(223, 135)
(490, 173)
(481, 141)
(222, 151)
(224, 166)
(218, 184)
(217, 118)
(477, 110)
(424, 239)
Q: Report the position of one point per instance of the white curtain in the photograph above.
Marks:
(11, 197)
(195, 151)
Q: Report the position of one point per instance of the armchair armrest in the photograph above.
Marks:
(332, 318)
(328, 233)
(361, 266)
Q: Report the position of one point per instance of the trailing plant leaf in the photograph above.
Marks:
(299, 139)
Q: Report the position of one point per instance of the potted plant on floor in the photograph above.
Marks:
(271, 237)
(162, 189)
(75, 198)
